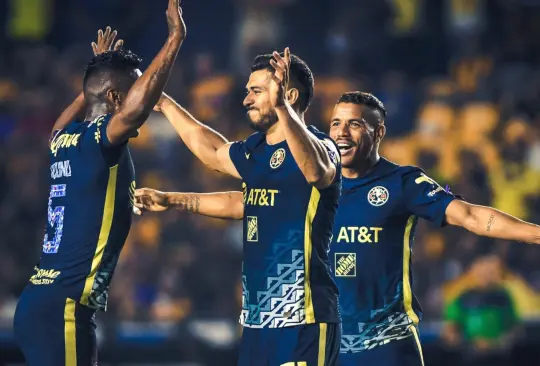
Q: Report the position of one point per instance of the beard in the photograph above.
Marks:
(264, 123)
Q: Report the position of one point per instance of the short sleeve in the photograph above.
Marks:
(425, 198)
(239, 155)
(331, 149)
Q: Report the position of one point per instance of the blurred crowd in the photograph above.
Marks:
(460, 80)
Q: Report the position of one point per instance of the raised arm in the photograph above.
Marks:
(146, 91)
(76, 109)
(222, 205)
(490, 222)
(208, 145)
(308, 151)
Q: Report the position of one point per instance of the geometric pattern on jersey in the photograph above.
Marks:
(377, 304)
(283, 302)
(370, 335)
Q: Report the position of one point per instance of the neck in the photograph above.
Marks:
(276, 134)
(96, 110)
(362, 167)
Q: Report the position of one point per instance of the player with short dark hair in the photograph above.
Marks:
(371, 250)
(92, 182)
(291, 180)
(373, 234)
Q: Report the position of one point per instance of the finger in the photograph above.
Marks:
(99, 35)
(279, 59)
(137, 211)
(276, 66)
(142, 192)
(277, 56)
(107, 32)
(113, 35)
(94, 48)
(287, 54)
(119, 44)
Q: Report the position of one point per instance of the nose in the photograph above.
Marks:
(248, 102)
(343, 130)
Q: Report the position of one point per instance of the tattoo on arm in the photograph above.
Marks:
(490, 222)
(190, 203)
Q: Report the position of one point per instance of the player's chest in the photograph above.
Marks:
(274, 180)
(367, 214)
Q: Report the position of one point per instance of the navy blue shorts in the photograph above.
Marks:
(404, 352)
(52, 330)
(302, 345)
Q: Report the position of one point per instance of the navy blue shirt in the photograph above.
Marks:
(288, 227)
(371, 251)
(89, 212)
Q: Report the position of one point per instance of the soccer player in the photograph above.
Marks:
(90, 203)
(374, 232)
(291, 180)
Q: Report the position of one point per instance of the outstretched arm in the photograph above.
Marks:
(491, 222)
(146, 91)
(76, 109)
(221, 205)
(208, 145)
(308, 151)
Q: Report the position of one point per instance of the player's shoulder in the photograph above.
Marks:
(253, 140)
(319, 134)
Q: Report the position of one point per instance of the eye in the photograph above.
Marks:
(356, 124)
(334, 123)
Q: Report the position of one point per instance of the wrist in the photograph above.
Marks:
(175, 37)
(171, 200)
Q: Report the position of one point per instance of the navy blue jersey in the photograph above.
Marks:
(287, 232)
(371, 251)
(89, 212)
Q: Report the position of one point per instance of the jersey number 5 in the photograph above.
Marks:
(55, 218)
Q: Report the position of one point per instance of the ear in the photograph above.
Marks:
(114, 97)
(292, 96)
(380, 132)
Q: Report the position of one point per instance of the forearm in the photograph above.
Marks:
(308, 152)
(493, 223)
(200, 139)
(74, 111)
(146, 91)
(222, 205)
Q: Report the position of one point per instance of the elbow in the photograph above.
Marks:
(320, 175)
(471, 223)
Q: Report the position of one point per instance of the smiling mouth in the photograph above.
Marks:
(345, 148)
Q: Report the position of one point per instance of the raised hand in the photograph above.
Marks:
(105, 41)
(280, 78)
(177, 27)
(147, 199)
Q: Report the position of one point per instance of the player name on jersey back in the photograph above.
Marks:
(287, 231)
(371, 251)
(88, 213)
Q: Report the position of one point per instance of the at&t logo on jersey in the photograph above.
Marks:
(260, 196)
(378, 196)
(359, 234)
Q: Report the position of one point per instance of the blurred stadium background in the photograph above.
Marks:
(460, 80)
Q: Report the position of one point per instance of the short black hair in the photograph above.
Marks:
(121, 61)
(300, 76)
(368, 99)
